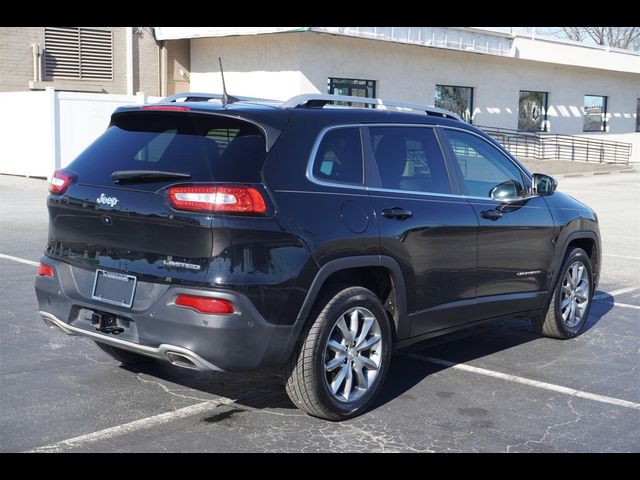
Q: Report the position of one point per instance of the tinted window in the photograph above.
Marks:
(409, 159)
(339, 157)
(484, 167)
(532, 111)
(209, 148)
(455, 99)
(595, 113)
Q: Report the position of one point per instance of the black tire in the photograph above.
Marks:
(307, 384)
(123, 356)
(550, 323)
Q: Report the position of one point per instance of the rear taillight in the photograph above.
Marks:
(217, 199)
(59, 182)
(216, 306)
(45, 270)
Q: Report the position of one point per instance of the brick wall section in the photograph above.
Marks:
(16, 63)
(178, 59)
(146, 56)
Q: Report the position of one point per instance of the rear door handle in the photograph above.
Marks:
(396, 213)
(491, 214)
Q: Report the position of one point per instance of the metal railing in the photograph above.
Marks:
(548, 146)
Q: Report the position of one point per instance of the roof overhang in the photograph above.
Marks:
(466, 39)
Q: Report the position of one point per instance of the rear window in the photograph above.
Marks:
(339, 157)
(209, 148)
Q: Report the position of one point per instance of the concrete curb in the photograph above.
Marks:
(584, 174)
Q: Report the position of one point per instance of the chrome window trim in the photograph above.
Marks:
(314, 152)
(323, 132)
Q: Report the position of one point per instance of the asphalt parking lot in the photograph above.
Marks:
(497, 388)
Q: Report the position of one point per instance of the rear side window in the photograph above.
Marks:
(210, 148)
(339, 157)
(409, 158)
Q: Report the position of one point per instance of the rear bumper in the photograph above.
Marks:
(157, 328)
(171, 353)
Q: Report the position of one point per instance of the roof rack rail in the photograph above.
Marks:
(319, 100)
(204, 97)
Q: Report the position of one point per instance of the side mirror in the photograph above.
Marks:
(542, 184)
(504, 191)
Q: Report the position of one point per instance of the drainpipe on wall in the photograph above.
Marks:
(163, 69)
(129, 60)
(37, 63)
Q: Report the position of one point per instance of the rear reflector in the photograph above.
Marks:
(59, 182)
(45, 270)
(217, 199)
(206, 304)
(166, 108)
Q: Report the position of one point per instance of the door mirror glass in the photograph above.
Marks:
(504, 191)
(543, 184)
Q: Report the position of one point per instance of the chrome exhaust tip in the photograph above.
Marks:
(181, 360)
(54, 326)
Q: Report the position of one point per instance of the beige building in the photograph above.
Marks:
(490, 78)
(114, 60)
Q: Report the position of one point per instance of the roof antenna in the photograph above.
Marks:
(225, 97)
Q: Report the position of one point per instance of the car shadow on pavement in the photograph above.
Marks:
(265, 389)
(471, 344)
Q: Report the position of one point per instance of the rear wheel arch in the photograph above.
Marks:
(378, 273)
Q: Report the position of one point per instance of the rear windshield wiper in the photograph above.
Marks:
(146, 175)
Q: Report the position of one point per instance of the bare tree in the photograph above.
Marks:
(619, 37)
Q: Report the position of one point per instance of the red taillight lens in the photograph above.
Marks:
(165, 108)
(45, 270)
(206, 304)
(59, 182)
(217, 199)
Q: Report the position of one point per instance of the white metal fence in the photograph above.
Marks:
(43, 131)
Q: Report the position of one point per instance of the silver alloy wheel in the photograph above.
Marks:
(575, 295)
(353, 354)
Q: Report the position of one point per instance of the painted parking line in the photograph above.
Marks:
(19, 260)
(620, 256)
(526, 381)
(613, 293)
(134, 426)
(622, 305)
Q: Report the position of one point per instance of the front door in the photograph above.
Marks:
(516, 231)
(424, 225)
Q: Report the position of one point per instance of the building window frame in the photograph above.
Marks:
(545, 111)
(469, 118)
(349, 84)
(638, 115)
(603, 116)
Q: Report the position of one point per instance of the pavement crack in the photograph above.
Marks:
(168, 391)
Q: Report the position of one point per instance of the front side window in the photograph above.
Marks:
(339, 157)
(409, 158)
(595, 113)
(455, 99)
(352, 87)
(485, 171)
(532, 111)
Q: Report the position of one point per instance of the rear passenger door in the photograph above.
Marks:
(516, 231)
(424, 224)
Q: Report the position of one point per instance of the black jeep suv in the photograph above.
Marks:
(245, 234)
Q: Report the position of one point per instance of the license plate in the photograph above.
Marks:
(115, 288)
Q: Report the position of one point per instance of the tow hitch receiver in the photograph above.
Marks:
(106, 323)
